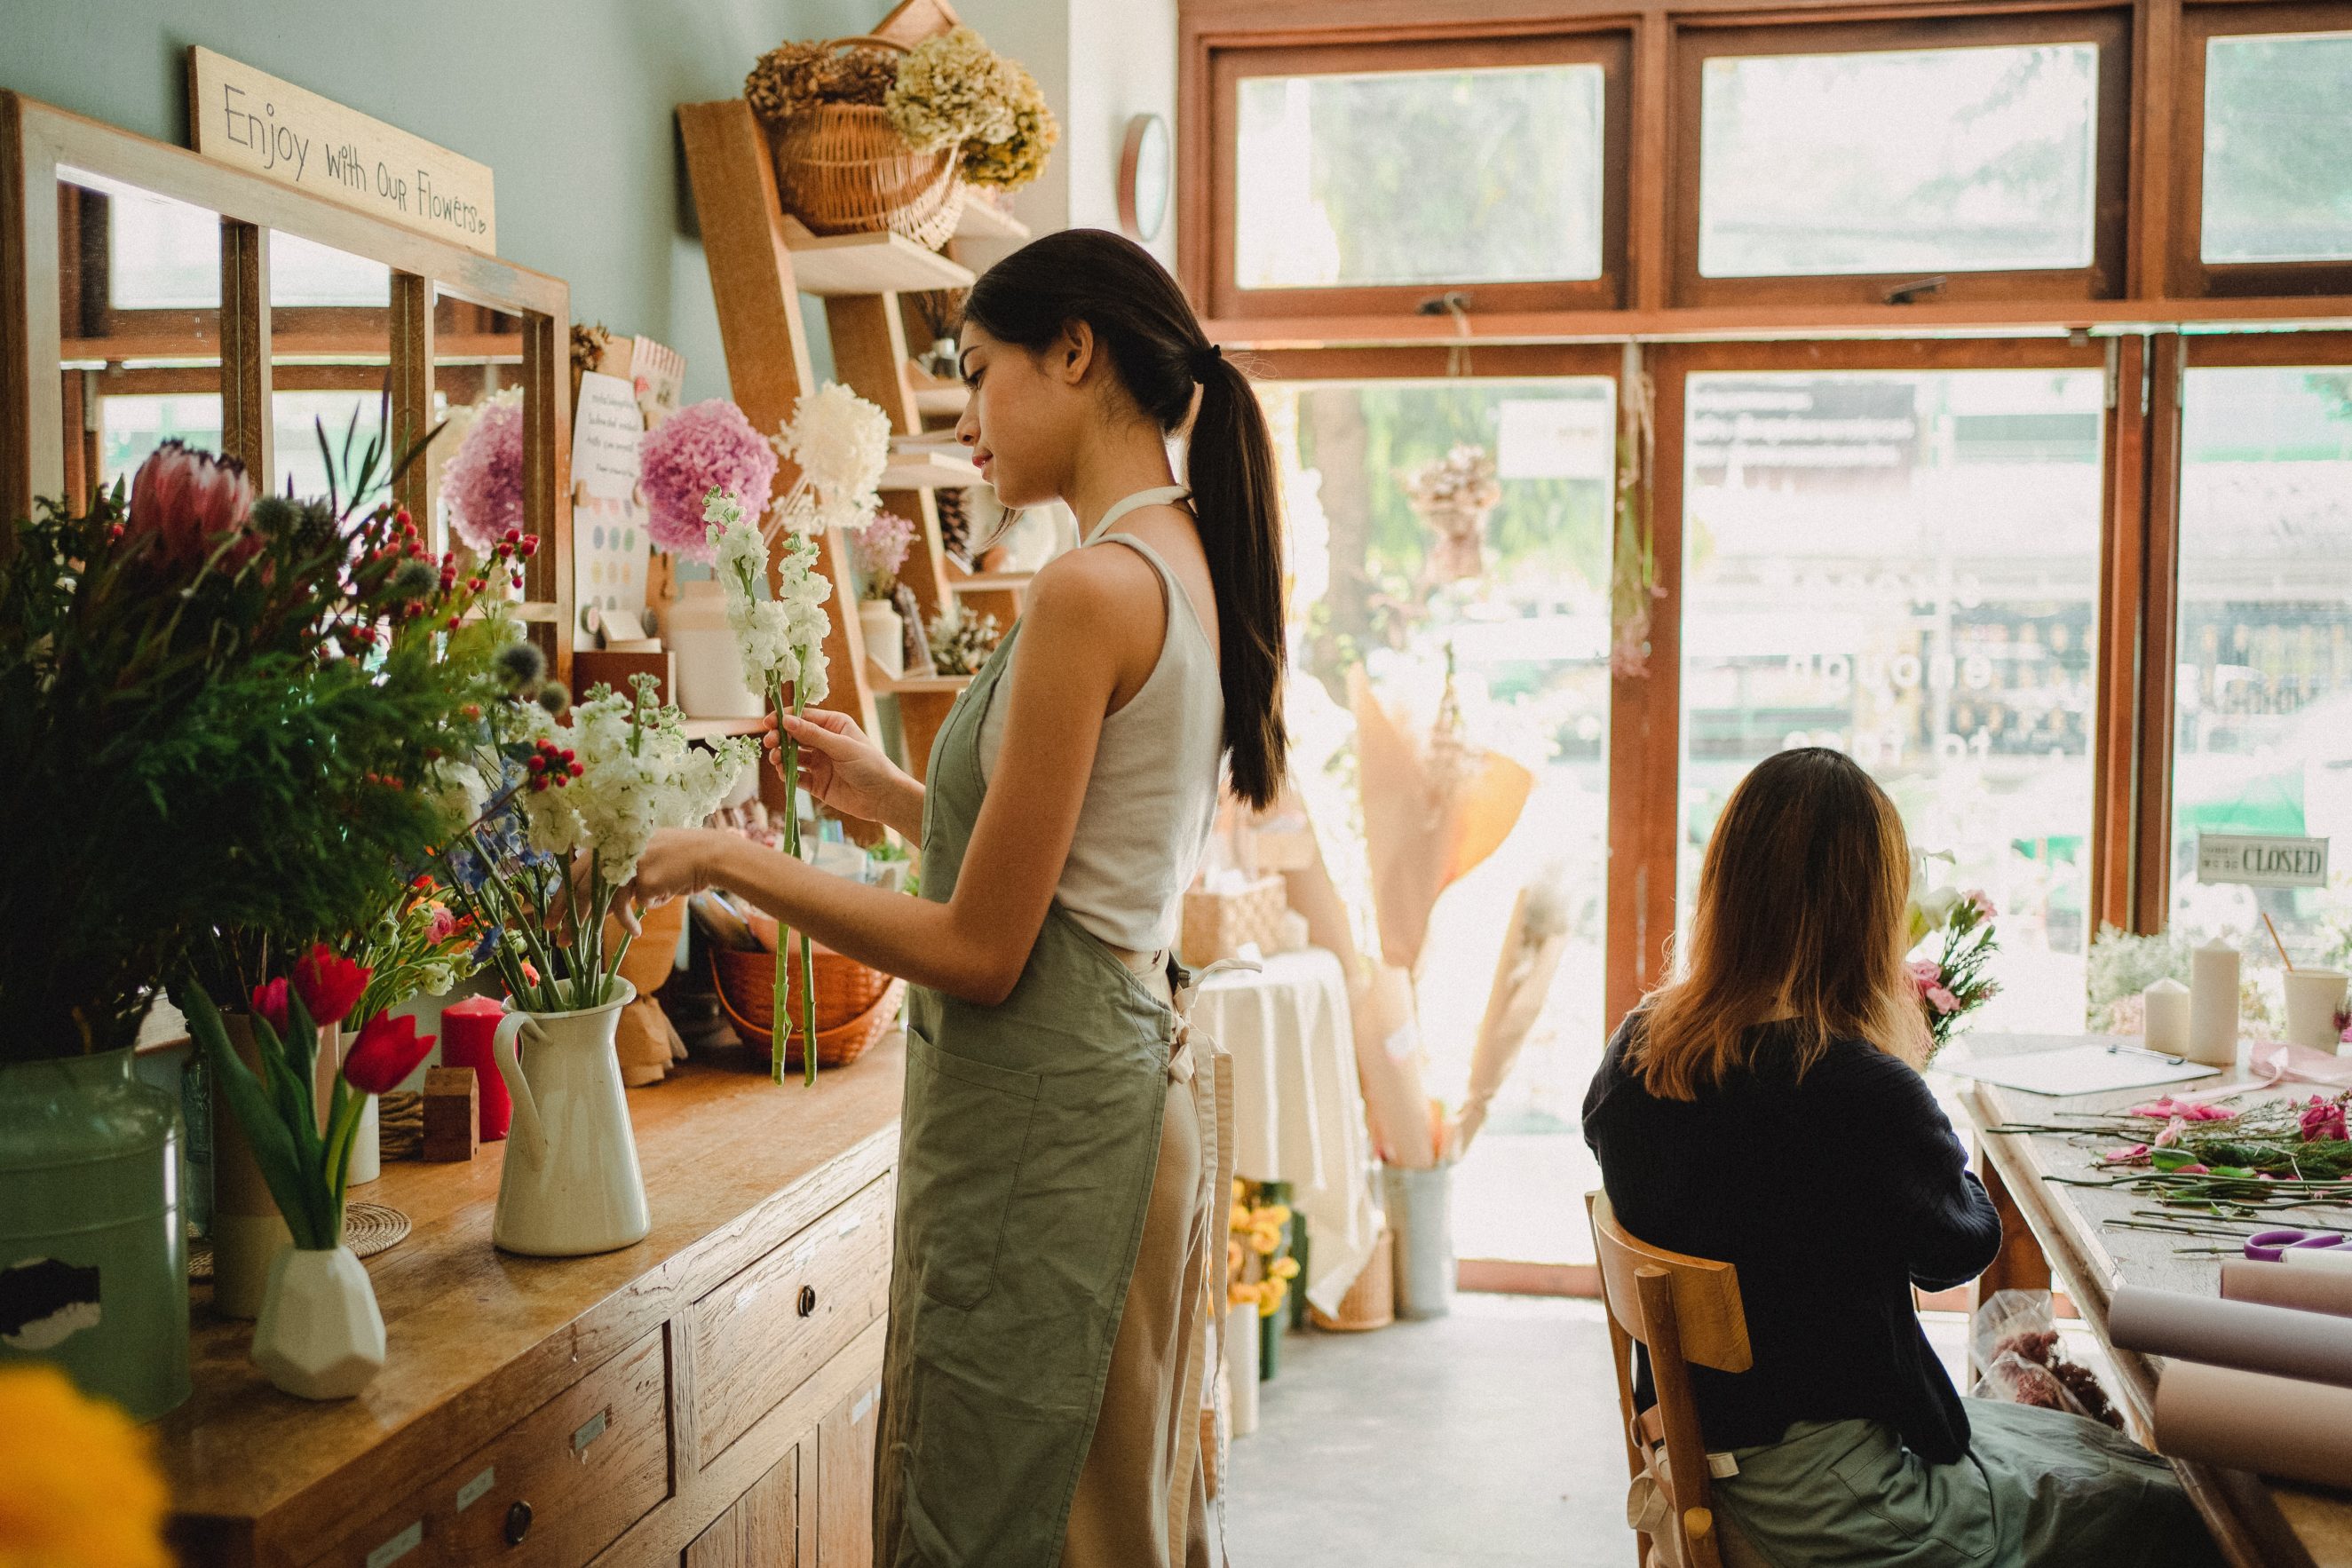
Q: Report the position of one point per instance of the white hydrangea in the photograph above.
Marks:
(639, 773)
(841, 444)
(780, 639)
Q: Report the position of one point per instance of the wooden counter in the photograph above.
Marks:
(2049, 1228)
(705, 1396)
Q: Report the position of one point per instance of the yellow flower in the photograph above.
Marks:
(1283, 1268)
(1264, 1241)
(81, 1490)
(1275, 1213)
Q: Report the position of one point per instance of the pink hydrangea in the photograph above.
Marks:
(484, 481)
(703, 447)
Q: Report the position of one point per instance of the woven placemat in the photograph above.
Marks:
(368, 1229)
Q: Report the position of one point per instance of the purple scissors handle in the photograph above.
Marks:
(2264, 1245)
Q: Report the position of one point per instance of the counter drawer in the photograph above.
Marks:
(759, 1335)
(557, 1487)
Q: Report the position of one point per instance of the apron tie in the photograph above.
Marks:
(1180, 1054)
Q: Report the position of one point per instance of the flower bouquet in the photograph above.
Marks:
(1956, 929)
(1454, 496)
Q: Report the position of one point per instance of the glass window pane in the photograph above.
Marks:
(304, 272)
(160, 254)
(1450, 176)
(2262, 696)
(130, 425)
(1975, 160)
(1528, 633)
(2278, 114)
(1905, 567)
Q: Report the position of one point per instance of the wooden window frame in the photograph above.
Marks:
(1611, 48)
(2191, 274)
(2102, 278)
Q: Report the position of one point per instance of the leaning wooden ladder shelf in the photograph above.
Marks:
(762, 260)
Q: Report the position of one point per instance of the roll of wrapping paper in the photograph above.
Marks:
(2249, 1421)
(2279, 1341)
(2276, 1285)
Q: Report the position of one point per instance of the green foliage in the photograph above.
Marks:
(212, 758)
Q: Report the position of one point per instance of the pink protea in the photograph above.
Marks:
(187, 501)
(701, 447)
(484, 479)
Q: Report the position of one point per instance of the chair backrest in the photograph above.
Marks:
(1685, 1310)
(1713, 1324)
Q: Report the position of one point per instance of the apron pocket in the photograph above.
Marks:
(965, 1133)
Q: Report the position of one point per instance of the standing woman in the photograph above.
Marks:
(1061, 1182)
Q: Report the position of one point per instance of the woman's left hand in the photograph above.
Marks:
(677, 863)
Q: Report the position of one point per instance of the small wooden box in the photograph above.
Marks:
(592, 668)
(453, 1120)
(1216, 924)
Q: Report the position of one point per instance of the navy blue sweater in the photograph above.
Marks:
(1833, 1195)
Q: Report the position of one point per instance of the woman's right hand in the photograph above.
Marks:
(839, 765)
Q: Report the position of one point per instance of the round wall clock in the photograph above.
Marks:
(1144, 178)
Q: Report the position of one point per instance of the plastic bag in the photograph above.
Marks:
(2015, 1340)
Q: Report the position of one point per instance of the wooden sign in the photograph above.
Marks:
(2262, 861)
(254, 121)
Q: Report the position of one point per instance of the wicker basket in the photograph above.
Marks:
(1370, 1301)
(855, 1004)
(1217, 924)
(843, 168)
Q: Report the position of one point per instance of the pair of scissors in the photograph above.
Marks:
(2269, 1246)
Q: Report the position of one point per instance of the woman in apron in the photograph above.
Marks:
(1057, 1274)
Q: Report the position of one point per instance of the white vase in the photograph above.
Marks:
(1241, 1368)
(710, 683)
(321, 1335)
(570, 1184)
(885, 635)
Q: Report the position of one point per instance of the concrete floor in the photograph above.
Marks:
(1488, 1436)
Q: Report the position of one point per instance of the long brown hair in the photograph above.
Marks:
(1802, 915)
(1160, 352)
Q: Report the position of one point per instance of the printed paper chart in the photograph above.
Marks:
(609, 546)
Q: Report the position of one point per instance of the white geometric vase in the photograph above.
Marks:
(319, 1335)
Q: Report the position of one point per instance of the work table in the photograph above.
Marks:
(708, 1392)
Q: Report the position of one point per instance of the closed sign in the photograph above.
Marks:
(2261, 861)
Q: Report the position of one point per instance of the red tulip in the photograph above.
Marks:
(188, 501)
(387, 1050)
(330, 986)
(269, 1002)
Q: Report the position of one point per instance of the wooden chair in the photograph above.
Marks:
(1686, 1312)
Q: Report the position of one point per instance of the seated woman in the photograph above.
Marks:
(1766, 1108)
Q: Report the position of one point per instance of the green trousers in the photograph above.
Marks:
(2039, 1488)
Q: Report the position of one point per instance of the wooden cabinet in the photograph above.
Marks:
(707, 1397)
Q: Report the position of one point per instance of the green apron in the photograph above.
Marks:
(1027, 1145)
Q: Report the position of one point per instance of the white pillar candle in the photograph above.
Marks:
(2166, 1005)
(2213, 1005)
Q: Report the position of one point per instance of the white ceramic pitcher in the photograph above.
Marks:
(570, 1184)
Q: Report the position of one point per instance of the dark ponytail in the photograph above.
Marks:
(1155, 344)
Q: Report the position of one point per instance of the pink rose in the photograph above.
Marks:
(2322, 1120)
(442, 923)
(1978, 901)
(2133, 1156)
(1925, 974)
(2171, 1133)
(1942, 1000)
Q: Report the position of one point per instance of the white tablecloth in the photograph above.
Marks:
(1299, 1112)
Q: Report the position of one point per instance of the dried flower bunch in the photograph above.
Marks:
(1465, 479)
(878, 550)
(962, 641)
(951, 91)
(792, 79)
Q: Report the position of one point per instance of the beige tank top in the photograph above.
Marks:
(1151, 799)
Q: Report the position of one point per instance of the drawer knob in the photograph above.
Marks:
(518, 1522)
(808, 1300)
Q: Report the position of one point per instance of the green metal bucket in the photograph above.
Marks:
(93, 1252)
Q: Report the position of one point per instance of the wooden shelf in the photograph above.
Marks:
(922, 685)
(866, 263)
(992, 582)
(984, 219)
(942, 402)
(928, 471)
(714, 729)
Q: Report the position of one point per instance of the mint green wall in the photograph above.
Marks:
(569, 100)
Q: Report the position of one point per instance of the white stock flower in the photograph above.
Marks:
(639, 773)
(782, 637)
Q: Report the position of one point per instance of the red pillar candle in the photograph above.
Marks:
(466, 1027)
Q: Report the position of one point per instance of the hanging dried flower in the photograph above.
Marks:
(1453, 494)
(951, 88)
(878, 550)
(1012, 161)
(841, 444)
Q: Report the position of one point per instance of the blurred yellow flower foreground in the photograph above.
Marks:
(77, 1489)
